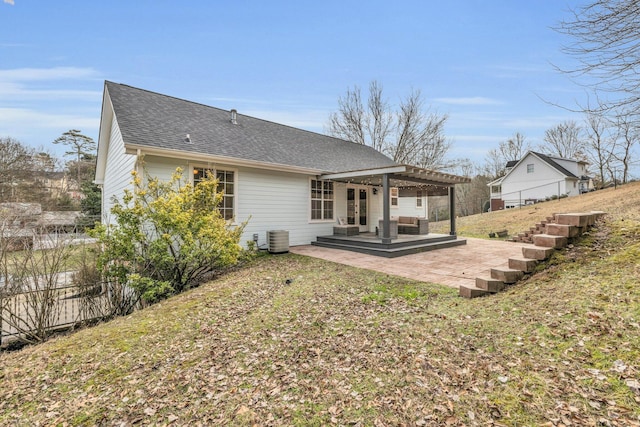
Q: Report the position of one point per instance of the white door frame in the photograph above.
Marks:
(355, 219)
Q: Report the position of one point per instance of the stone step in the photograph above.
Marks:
(549, 241)
(526, 265)
(507, 275)
(575, 219)
(472, 292)
(489, 284)
(564, 230)
(537, 252)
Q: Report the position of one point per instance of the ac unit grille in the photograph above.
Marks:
(278, 241)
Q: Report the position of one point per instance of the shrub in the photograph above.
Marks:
(168, 237)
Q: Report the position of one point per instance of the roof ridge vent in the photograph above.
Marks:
(234, 116)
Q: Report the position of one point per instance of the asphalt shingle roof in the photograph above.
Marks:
(151, 119)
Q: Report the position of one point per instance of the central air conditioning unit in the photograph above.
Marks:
(278, 241)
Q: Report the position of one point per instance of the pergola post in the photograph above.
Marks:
(452, 210)
(386, 209)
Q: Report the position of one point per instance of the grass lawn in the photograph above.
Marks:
(345, 346)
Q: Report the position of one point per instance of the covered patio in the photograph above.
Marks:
(387, 241)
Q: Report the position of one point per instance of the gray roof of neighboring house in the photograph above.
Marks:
(151, 119)
(555, 165)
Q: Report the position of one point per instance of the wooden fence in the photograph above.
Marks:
(38, 312)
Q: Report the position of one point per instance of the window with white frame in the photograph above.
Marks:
(321, 200)
(419, 199)
(226, 186)
(530, 168)
(394, 196)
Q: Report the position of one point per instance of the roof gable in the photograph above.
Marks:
(148, 119)
(553, 164)
(546, 159)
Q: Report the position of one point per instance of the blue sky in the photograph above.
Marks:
(485, 63)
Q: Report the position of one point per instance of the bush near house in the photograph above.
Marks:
(168, 237)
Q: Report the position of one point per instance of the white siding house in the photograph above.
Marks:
(538, 177)
(272, 174)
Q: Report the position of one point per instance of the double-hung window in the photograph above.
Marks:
(226, 186)
(321, 200)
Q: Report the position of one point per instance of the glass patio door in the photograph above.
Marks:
(357, 207)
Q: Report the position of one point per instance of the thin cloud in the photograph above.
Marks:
(475, 100)
(43, 120)
(43, 74)
(13, 91)
(9, 2)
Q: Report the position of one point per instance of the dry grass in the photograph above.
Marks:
(344, 346)
(617, 202)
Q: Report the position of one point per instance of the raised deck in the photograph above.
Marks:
(404, 244)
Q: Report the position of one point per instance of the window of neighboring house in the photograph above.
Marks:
(321, 200)
(226, 185)
(530, 168)
(419, 199)
(496, 189)
(394, 196)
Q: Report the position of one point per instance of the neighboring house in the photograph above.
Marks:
(537, 177)
(276, 176)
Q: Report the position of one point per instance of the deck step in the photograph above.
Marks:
(472, 292)
(526, 265)
(537, 252)
(549, 241)
(489, 284)
(390, 252)
(507, 275)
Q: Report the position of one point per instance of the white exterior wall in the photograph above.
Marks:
(118, 170)
(273, 200)
(407, 207)
(545, 181)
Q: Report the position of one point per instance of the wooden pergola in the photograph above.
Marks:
(403, 176)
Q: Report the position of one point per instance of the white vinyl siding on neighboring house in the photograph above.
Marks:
(535, 179)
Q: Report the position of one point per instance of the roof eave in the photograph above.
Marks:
(200, 157)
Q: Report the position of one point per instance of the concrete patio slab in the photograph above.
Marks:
(453, 267)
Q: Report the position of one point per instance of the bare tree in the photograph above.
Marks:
(411, 134)
(564, 140)
(471, 197)
(15, 165)
(600, 146)
(605, 37)
(513, 148)
(494, 164)
(628, 134)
